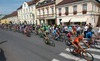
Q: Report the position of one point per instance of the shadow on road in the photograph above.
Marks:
(2, 56)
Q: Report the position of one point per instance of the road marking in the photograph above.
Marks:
(71, 57)
(55, 59)
(98, 46)
(94, 55)
(67, 49)
(94, 50)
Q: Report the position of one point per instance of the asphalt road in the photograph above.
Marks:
(21, 48)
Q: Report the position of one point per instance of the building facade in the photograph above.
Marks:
(10, 18)
(46, 12)
(78, 11)
(4, 20)
(57, 11)
(27, 12)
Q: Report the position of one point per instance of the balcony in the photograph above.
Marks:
(45, 16)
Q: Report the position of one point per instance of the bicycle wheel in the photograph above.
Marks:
(52, 43)
(88, 56)
(97, 44)
(61, 38)
(46, 42)
(67, 42)
(72, 48)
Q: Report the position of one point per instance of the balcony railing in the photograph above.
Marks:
(45, 16)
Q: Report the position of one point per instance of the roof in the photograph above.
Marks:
(45, 3)
(30, 3)
(68, 1)
(10, 15)
(13, 14)
(19, 7)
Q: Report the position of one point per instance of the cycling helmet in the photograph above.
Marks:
(80, 37)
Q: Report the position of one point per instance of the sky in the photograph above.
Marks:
(8, 6)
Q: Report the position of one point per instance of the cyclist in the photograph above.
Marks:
(77, 44)
(69, 36)
(26, 30)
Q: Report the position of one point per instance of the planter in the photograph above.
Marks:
(75, 12)
(84, 11)
(66, 13)
(59, 14)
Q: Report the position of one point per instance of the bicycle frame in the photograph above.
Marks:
(84, 54)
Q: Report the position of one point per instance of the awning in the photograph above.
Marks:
(74, 20)
(66, 20)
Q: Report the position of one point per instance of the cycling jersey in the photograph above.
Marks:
(54, 32)
(76, 40)
(69, 35)
(89, 34)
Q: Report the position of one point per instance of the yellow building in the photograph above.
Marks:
(4, 20)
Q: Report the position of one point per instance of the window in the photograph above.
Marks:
(52, 9)
(59, 9)
(26, 10)
(43, 11)
(75, 10)
(39, 11)
(66, 10)
(85, 7)
(98, 9)
(47, 10)
(24, 5)
(31, 8)
(94, 8)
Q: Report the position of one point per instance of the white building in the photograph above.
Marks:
(46, 12)
(87, 11)
(27, 12)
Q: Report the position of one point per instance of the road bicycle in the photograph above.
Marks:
(59, 37)
(67, 41)
(83, 54)
(95, 43)
(48, 40)
(28, 34)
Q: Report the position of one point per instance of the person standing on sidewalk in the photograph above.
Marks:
(78, 30)
(85, 30)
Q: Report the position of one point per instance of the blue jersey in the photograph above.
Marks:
(54, 32)
(89, 34)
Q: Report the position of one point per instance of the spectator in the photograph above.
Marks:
(85, 30)
(78, 30)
